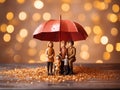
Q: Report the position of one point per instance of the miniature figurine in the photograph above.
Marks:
(66, 67)
(63, 53)
(71, 56)
(57, 65)
(50, 57)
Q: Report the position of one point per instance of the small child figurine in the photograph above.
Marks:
(50, 57)
(57, 65)
(66, 67)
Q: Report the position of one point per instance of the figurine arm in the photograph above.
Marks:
(73, 54)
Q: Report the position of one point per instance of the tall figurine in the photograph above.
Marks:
(50, 57)
(63, 53)
(57, 65)
(71, 56)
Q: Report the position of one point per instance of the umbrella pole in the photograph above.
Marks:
(60, 34)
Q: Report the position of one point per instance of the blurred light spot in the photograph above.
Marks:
(10, 28)
(20, 1)
(84, 47)
(84, 55)
(22, 15)
(112, 17)
(46, 16)
(3, 27)
(97, 39)
(65, 7)
(88, 6)
(118, 47)
(67, 1)
(9, 15)
(17, 58)
(18, 46)
(114, 31)
(19, 38)
(95, 17)
(31, 61)
(104, 40)
(6, 37)
(115, 8)
(99, 61)
(32, 51)
(97, 30)
(109, 48)
(76, 43)
(2, 1)
(41, 52)
(88, 29)
(43, 57)
(81, 17)
(23, 33)
(32, 43)
(38, 4)
(107, 1)
(106, 56)
(36, 17)
(100, 5)
(10, 52)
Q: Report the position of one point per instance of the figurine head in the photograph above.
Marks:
(50, 44)
(63, 43)
(70, 43)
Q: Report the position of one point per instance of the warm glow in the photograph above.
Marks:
(84, 47)
(22, 16)
(88, 30)
(17, 58)
(43, 57)
(3, 27)
(106, 55)
(9, 16)
(97, 30)
(10, 28)
(19, 38)
(31, 61)
(96, 39)
(107, 1)
(84, 55)
(88, 6)
(81, 17)
(32, 51)
(6, 37)
(114, 31)
(20, 1)
(95, 17)
(65, 7)
(36, 17)
(23, 33)
(104, 40)
(18, 46)
(46, 16)
(100, 5)
(112, 17)
(2, 1)
(38, 4)
(109, 47)
(99, 61)
(32, 44)
(115, 8)
(118, 47)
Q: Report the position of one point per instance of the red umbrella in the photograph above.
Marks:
(60, 30)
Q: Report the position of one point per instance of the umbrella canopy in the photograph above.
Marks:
(60, 30)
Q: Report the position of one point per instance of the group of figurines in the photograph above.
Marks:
(63, 63)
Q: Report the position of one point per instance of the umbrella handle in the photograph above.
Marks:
(60, 32)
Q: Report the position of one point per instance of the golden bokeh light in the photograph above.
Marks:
(22, 15)
(18, 46)
(2, 1)
(97, 30)
(38, 4)
(112, 17)
(32, 44)
(95, 17)
(115, 8)
(20, 1)
(7, 37)
(81, 17)
(36, 17)
(10, 28)
(107, 1)
(9, 15)
(106, 56)
(88, 29)
(99, 61)
(31, 61)
(118, 47)
(23, 33)
(88, 6)
(19, 38)
(43, 57)
(65, 7)
(17, 58)
(46, 16)
(109, 47)
(104, 40)
(84, 55)
(114, 31)
(96, 39)
(3, 28)
(84, 47)
(32, 51)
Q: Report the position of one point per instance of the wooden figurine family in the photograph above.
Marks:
(63, 63)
